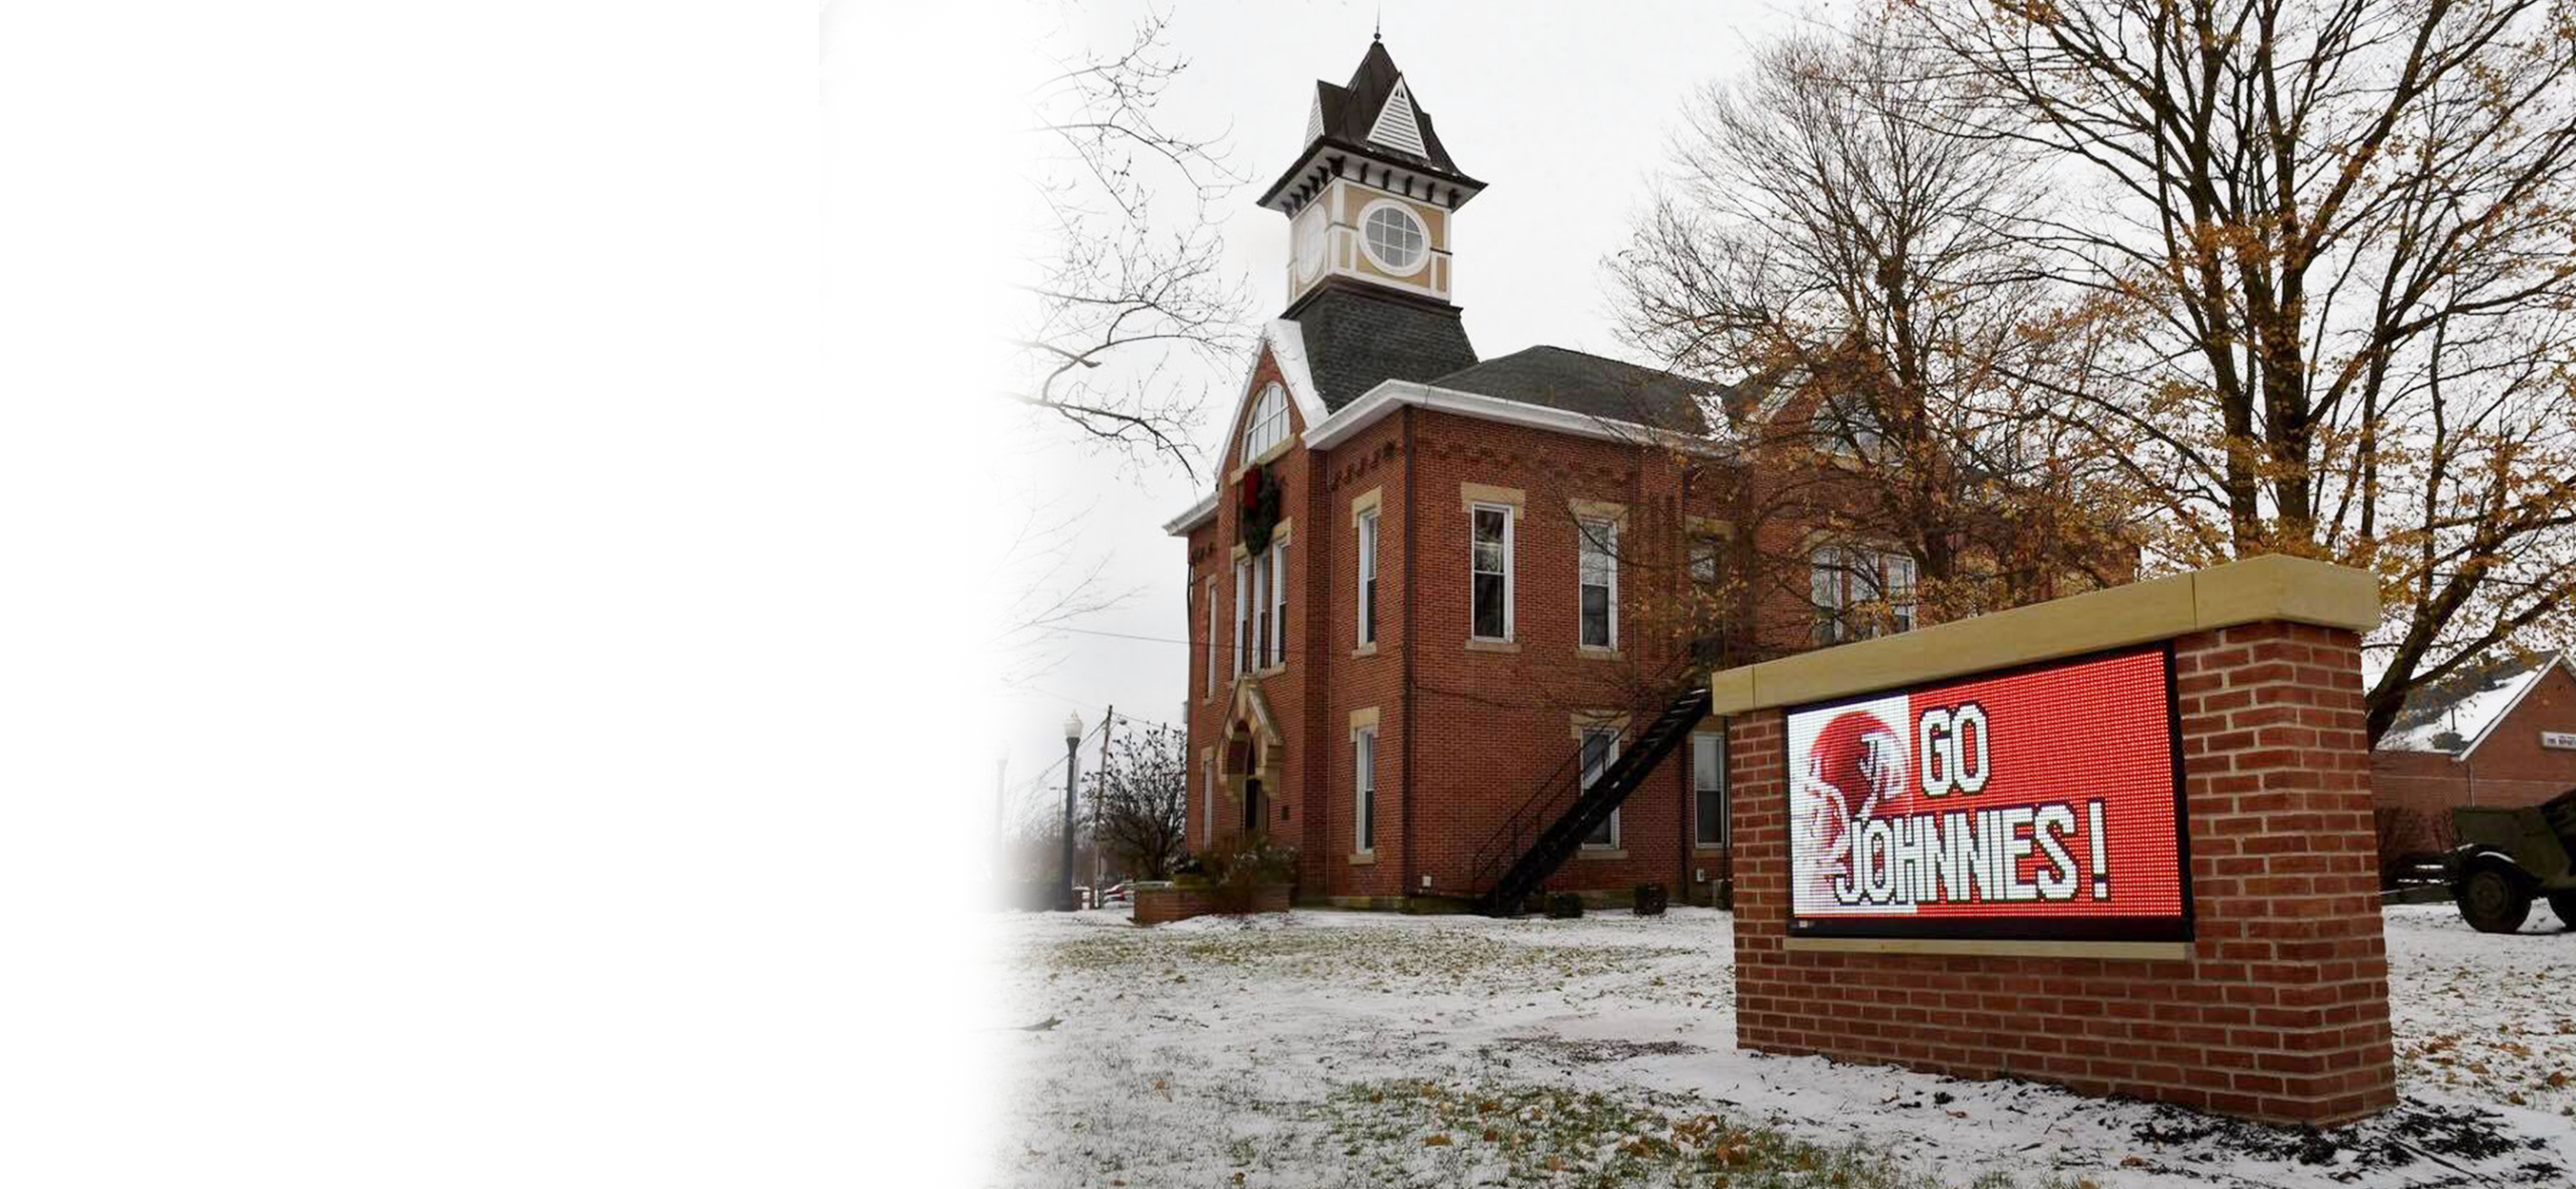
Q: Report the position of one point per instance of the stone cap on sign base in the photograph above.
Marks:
(2271, 588)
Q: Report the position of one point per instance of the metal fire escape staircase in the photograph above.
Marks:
(1547, 829)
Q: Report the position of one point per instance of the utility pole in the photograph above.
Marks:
(1101, 779)
(1072, 760)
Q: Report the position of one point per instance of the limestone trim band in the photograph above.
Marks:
(2258, 589)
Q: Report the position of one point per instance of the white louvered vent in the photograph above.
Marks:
(1397, 127)
(1315, 119)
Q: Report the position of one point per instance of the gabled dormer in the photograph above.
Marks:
(1371, 193)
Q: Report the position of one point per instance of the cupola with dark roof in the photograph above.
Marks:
(1370, 195)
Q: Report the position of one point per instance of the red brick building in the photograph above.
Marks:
(1436, 597)
(2502, 733)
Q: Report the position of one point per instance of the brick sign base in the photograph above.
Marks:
(2280, 1010)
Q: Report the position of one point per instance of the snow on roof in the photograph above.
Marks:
(1287, 348)
(2453, 716)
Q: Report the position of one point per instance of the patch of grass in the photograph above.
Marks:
(1420, 1133)
(1348, 954)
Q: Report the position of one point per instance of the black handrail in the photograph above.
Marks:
(1553, 798)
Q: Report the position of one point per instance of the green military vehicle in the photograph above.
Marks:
(2506, 857)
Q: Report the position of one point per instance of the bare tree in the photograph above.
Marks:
(1825, 237)
(2335, 236)
(1078, 279)
(1140, 801)
(1075, 274)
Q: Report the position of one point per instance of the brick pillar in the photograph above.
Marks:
(2281, 1011)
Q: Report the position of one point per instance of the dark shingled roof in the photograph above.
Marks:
(1351, 109)
(1592, 386)
(1358, 336)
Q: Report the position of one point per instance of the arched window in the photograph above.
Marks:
(1394, 238)
(1269, 422)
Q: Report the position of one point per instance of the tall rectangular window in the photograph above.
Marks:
(1708, 790)
(1859, 592)
(1368, 577)
(1261, 579)
(1242, 615)
(1364, 789)
(1209, 690)
(1600, 749)
(1207, 802)
(1597, 580)
(1279, 603)
(1491, 560)
(1897, 587)
(1707, 560)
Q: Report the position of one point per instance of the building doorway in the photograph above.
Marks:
(1251, 805)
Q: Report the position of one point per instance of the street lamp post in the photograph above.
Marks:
(1001, 768)
(1072, 738)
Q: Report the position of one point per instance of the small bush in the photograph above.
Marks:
(1564, 906)
(1254, 861)
(1651, 899)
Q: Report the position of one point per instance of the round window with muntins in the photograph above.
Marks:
(1394, 238)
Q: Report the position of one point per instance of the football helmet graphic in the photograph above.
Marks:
(1855, 771)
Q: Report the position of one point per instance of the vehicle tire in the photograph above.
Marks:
(2491, 902)
(2564, 904)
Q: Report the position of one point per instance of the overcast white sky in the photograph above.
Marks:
(1563, 110)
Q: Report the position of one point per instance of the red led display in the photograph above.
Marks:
(2037, 803)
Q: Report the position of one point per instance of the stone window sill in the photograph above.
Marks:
(1368, 649)
(1477, 645)
(1589, 653)
(1272, 671)
(1601, 852)
(1365, 858)
(1277, 451)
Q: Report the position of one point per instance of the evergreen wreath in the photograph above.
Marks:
(1260, 496)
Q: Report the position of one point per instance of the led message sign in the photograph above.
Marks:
(2037, 803)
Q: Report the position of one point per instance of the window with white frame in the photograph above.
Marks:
(1261, 610)
(1268, 425)
(1278, 654)
(1491, 562)
(1707, 559)
(1846, 424)
(1364, 789)
(1242, 615)
(1708, 790)
(1368, 577)
(1600, 750)
(1860, 592)
(1212, 645)
(1207, 802)
(1394, 238)
(1597, 581)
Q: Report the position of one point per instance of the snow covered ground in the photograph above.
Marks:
(1349, 1049)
